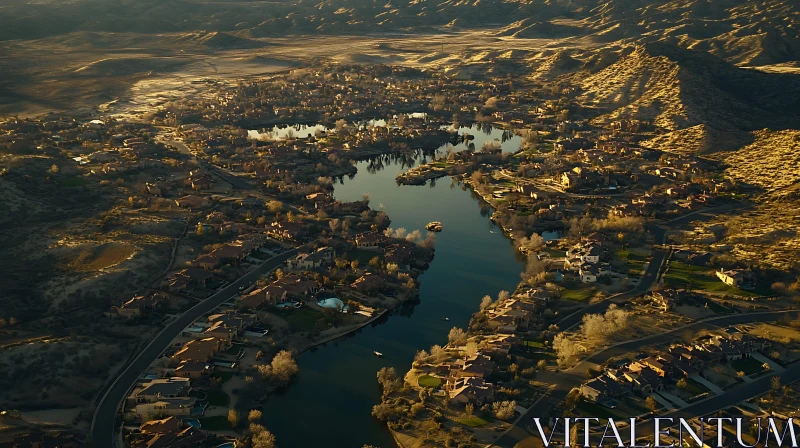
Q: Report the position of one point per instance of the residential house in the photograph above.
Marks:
(369, 283)
(193, 369)
(477, 365)
(601, 388)
(177, 407)
(163, 426)
(208, 262)
(739, 278)
(199, 350)
(134, 307)
(160, 388)
(589, 273)
(320, 258)
(192, 202)
(471, 390)
(186, 437)
(370, 240)
(270, 294)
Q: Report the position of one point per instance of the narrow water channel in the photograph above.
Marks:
(330, 402)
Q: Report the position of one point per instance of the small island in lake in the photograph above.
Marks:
(434, 226)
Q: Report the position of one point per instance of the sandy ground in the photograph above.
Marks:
(61, 417)
(80, 78)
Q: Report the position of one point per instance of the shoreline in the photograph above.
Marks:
(341, 334)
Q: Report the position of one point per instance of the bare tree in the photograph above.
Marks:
(457, 336)
(504, 410)
(233, 417)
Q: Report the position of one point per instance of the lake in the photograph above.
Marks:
(331, 400)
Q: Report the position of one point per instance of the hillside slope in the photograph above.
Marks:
(744, 32)
(677, 88)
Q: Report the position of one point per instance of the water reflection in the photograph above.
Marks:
(336, 388)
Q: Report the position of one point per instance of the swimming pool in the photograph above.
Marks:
(332, 303)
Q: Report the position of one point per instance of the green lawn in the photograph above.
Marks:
(554, 253)
(304, 318)
(429, 381)
(540, 355)
(695, 388)
(682, 275)
(473, 421)
(364, 256)
(223, 377)
(579, 293)
(216, 423)
(747, 365)
(534, 344)
(588, 408)
(635, 259)
(217, 397)
(633, 406)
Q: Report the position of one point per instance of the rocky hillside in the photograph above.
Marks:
(744, 32)
(677, 88)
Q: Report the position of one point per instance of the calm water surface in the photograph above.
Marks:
(330, 402)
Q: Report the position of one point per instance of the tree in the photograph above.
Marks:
(565, 348)
(263, 439)
(573, 398)
(541, 365)
(438, 353)
(200, 230)
(421, 356)
(284, 367)
(471, 349)
(233, 417)
(469, 409)
(532, 243)
(387, 378)
(383, 412)
(354, 264)
(457, 336)
(486, 302)
(503, 295)
(775, 382)
(254, 416)
(375, 262)
(682, 383)
(651, 404)
(275, 206)
(504, 410)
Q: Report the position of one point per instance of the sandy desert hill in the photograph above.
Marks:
(62, 55)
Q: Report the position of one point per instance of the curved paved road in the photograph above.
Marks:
(567, 380)
(649, 276)
(104, 422)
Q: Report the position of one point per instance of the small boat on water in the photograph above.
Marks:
(446, 318)
(378, 354)
(434, 226)
(492, 231)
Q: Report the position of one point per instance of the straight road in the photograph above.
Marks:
(103, 424)
(738, 394)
